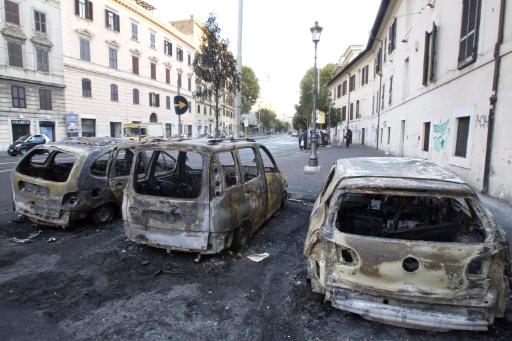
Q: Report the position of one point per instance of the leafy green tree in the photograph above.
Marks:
(214, 67)
(304, 109)
(250, 89)
(266, 118)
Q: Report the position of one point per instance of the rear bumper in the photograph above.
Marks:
(62, 220)
(188, 241)
(412, 314)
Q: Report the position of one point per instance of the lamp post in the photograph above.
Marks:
(313, 157)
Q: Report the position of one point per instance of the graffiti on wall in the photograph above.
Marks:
(482, 121)
(441, 132)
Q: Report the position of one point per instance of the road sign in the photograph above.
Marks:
(180, 105)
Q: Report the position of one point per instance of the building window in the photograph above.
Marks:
(198, 108)
(179, 80)
(18, 97)
(383, 92)
(86, 87)
(135, 31)
(15, 54)
(378, 62)
(12, 12)
(167, 47)
(357, 109)
(352, 85)
(167, 75)
(85, 49)
(88, 127)
(351, 111)
(381, 133)
(168, 102)
(189, 57)
(468, 43)
(461, 144)
(390, 99)
(45, 99)
(154, 99)
(344, 113)
(114, 93)
(389, 134)
(83, 8)
(344, 90)
(40, 21)
(112, 20)
(179, 54)
(426, 136)
(153, 71)
(135, 94)
(168, 130)
(392, 37)
(189, 83)
(42, 60)
(429, 56)
(135, 65)
(191, 104)
(152, 40)
(364, 75)
(112, 58)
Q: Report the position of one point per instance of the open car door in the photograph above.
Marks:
(119, 170)
(275, 184)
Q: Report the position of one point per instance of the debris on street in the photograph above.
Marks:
(258, 257)
(29, 239)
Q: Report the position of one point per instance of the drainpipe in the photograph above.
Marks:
(493, 99)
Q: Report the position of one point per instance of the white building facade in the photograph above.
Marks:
(437, 87)
(31, 70)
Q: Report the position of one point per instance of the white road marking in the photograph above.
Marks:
(5, 170)
(6, 163)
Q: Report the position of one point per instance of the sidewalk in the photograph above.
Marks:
(307, 186)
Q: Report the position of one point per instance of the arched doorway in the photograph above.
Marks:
(153, 118)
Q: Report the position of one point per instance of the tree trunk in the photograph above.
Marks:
(216, 114)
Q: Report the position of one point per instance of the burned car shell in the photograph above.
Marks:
(210, 221)
(60, 203)
(370, 275)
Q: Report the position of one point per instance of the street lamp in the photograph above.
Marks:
(316, 31)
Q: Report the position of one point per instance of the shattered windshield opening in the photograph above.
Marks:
(409, 217)
(50, 165)
(169, 173)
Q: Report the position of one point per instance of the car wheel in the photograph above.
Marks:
(103, 214)
(241, 237)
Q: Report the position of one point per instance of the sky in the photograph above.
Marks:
(276, 37)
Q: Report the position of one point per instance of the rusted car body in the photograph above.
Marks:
(59, 183)
(407, 243)
(201, 196)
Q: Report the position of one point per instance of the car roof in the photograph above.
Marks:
(394, 167)
(203, 145)
(87, 144)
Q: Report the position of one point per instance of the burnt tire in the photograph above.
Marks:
(103, 215)
(241, 237)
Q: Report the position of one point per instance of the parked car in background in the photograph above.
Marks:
(407, 243)
(201, 196)
(60, 183)
(25, 143)
(295, 133)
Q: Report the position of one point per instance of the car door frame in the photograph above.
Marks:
(255, 189)
(274, 182)
(117, 184)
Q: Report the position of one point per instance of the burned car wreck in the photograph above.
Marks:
(59, 183)
(407, 243)
(201, 196)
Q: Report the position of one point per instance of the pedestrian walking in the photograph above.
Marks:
(348, 137)
(305, 139)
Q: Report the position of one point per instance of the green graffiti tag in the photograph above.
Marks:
(441, 131)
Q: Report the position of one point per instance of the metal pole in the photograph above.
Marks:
(313, 157)
(238, 98)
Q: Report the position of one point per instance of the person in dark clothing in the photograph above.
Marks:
(305, 139)
(348, 137)
(299, 136)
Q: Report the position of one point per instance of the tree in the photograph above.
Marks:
(214, 67)
(250, 89)
(304, 110)
(266, 118)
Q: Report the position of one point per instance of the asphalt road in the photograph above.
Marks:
(90, 283)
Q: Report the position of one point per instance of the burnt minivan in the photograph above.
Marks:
(60, 183)
(203, 196)
(407, 243)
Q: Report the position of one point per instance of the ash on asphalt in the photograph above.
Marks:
(91, 283)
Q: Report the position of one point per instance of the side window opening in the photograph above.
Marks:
(268, 161)
(248, 164)
(123, 163)
(99, 166)
(229, 171)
